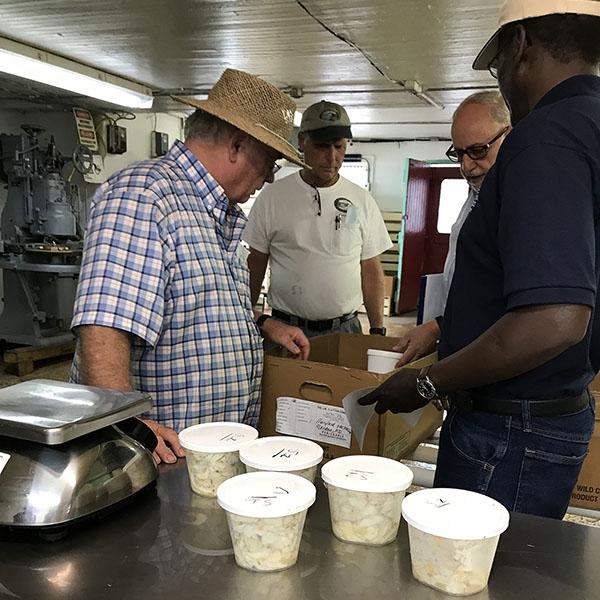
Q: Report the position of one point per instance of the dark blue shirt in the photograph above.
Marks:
(534, 238)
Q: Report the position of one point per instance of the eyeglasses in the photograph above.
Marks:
(474, 152)
(272, 168)
(493, 64)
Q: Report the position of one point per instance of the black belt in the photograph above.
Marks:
(514, 407)
(315, 325)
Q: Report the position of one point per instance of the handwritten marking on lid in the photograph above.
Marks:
(233, 437)
(286, 453)
(439, 503)
(264, 500)
(358, 474)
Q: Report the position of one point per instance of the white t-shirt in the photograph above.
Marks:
(315, 259)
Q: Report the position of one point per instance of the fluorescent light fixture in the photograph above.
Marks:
(297, 118)
(50, 69)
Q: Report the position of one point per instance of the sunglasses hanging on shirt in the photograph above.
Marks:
(317, 199)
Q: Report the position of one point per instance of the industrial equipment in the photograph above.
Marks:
(40, 238)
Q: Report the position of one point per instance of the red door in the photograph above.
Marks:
(424, 249)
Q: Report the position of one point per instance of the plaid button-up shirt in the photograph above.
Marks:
(162, 261)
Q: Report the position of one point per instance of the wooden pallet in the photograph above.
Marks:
(22, 359)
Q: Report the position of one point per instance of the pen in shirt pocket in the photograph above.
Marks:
(338, 221)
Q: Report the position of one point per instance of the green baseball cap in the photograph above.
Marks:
(326, 121)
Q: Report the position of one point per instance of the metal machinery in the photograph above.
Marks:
(40, 239)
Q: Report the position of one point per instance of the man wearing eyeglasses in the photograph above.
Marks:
(521, 333)
(163, 300)
(322, 235)
(479, 126)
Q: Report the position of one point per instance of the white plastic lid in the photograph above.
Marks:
(384, 353)
(281, 453)
(217, 437)
(364, 473)
(455, 514)
(266, 494)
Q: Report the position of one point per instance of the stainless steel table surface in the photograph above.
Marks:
(166, 546)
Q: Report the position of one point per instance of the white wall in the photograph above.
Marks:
(61, 125)
(388, 167)
(138, 140)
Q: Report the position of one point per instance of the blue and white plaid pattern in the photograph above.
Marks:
(161, 262)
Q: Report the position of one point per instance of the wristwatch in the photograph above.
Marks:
(261, 321)
(425, 386)
(377, 331)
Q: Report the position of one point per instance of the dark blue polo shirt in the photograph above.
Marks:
(533, 238)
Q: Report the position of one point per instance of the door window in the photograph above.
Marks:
(453, 195)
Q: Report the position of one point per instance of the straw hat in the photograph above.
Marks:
(518, 10)
(253, 106)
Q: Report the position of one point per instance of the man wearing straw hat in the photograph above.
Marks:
(163, 302)
(520, 339)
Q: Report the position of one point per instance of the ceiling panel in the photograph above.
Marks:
(357, 53)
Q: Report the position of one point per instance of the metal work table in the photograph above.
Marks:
(170, 546)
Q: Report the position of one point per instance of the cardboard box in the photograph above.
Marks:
(310, 394)
(587, 490)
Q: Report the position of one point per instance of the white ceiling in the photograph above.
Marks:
(362, 54)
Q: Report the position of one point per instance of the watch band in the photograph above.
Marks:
(261, 321)
(377, 331)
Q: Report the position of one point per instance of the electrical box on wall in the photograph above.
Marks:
(159, 143)
(116, 139)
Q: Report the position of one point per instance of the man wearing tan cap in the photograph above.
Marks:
(163, 302)
(322, 235)
(520, 339)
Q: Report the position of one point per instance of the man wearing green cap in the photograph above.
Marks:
(521, 334)
(322, 235)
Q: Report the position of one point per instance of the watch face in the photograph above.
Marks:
(426, 388)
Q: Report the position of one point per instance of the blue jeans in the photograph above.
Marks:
(529, 464)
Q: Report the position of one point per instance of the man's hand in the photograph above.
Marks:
(398, 394)
(418, 342)
(291, 338)
(168, 449)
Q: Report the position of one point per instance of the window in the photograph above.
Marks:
(453, 195)
(357, 172)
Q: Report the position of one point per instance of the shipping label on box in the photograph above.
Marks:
(313, 421)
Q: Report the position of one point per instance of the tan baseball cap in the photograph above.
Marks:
(326, 121)
(518, 10)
